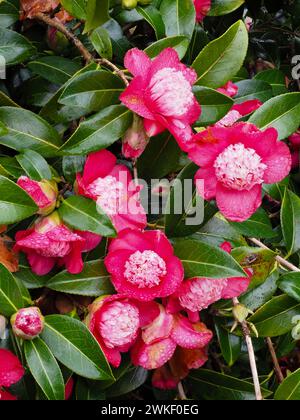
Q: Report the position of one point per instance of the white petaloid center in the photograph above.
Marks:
(109, 192)
(239, 167)
(171, 92)
(145, 269)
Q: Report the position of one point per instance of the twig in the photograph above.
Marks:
(181, 392)
(281, 260)
(247, 336)
(277, 368)
(54, 23)
(116, 69)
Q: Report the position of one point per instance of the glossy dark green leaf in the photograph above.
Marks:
(75, 8)
(99, 131)
(260, 295)
(97, 13)
(29, 279)
(290, 221)
(275, 317)
(93, 90)
(275, 78)
(222, 58)
(55, 69)
(9, 14)
(230, 344)
(89, 390)
(74, 346)
(258, 226)
(35, 166)
(11, 298)
(154, 18)
(102, 43)
(10, 167)
(282, 113)
(130, 381)
(92, 281)
(203, 260)
(214, 105)
(179, 43)
(83, 214)
(14, 48)
(290, 284)
(27, 130)
(179, 17)
(289, 390)
(44, 369)
(253, 89)
(223, 7)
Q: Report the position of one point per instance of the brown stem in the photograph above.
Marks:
(54, 23)
(277, 368)
(247, 336)
(281, 260)
(116, 69)
(181, 392)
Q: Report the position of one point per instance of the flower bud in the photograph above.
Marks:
(241, 313)
(27, 323)
(129, 4)
(43, 193)
(135, 139)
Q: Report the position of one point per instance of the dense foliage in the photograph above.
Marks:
(114, 114)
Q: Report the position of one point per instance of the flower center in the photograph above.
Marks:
(55, 249)
(119, 324)
(200, 293)
(145, 269)
(109, 192)
(171, 92)
(239, 167)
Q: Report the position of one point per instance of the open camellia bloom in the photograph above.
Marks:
(112, 187)
(235, 162)
(143, 265)
(159, 340)
(202, 8)
(115, 321)
(11, 372)
(161, 92)
(50, 242)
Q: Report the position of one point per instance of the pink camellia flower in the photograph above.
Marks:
(161, 92)
(27, 323)
(239, 111)
(6, 396)
(43, 193)
(69, 388)
(50, 242)
(116, 320)
(158, 341)
(11, 370)
(111, 186)
(202, 8)
(230, 89)
(235, 162)
(135, 139)
(143, 265)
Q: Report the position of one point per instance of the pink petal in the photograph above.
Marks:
(6, 396)
(11, 370)
(148, 312)
(230, 89)
(208, 176)
(160, 328)
(235, 287)
(69, 388)
(153, 128)
(137, 62)
(160, 243)
(91, 240)
(98, 165)
(263, 142)
(279, 164)
(73, 260)
(63, 234)
(238, 206)
(35, 191)
(152, 356)
(115, 264)
(40, 265)
(190, 336)
(247, 107)
(202, 9)
(174, 277)
(133, 98)
(130, 240)
(167, 58)
(163, 379)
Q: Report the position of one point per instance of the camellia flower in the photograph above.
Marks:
(143, 265)
(27, 323)
(43, 193)
(161, 92)
(50, 242)
(111, 186)
(135, 139)
(235, 162)
(11, 372)
(239, 111)
(202, 8)
(230, 89)
(159, 340)
(115, 321)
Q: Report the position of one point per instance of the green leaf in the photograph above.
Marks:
(260, 295)
(275, 317)
(222, 58)
(92, 281)
(282, 113)
(258, 226)
(186, 211)
(97, 13)
(230, 344)
(179, 43)
(203, 260)
(102, 43)
(289, 390)
(214, 105)
(44, 368)
(57, 70)
(290, 221)
(28, 277)
(290, 284)
(71, 165)
(133, 379)
(9, 14)
(154, 18)
(179, 17)
(275, 78)
(93, 90)
(9, 167)
(75, 8)
(11, 298)
(15, 203)
(89, 391)
(75, 347)
(83, 214)
(99, 131)
(223, 7)
(216, 386)
(14, 48)
(35, 166)
(27, 130)
(253, 89)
